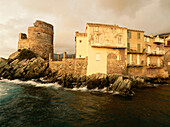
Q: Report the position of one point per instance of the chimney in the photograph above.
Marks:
(64, 55)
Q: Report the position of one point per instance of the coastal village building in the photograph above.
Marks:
(113, 49)
(107, 49)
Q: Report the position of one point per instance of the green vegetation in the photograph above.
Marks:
(26, 54)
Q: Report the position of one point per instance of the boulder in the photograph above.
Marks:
(115, 85)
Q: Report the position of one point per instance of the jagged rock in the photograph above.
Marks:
(119, 81)
(104, 83)
(3, 62)
(14, 63)
(14, 55)
(112, 78)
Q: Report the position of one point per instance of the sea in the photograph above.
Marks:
(32, 104)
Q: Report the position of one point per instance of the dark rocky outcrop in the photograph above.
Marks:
(26, 65)
(34, 67)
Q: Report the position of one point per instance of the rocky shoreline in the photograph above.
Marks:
(38, 69)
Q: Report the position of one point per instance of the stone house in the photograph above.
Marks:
(113, 49)
(105, 46)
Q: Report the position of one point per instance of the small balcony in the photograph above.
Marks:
(134, 52)
(134, 64)
(158, 40)
(156, 53)
(154, 66)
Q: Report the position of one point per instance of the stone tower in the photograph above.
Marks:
(39, 40)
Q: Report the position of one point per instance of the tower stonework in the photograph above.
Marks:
(39, 40)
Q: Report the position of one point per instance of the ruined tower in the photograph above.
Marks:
(39, 40)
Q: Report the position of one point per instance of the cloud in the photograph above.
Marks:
(124, 7)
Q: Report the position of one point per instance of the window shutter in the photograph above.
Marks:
(128, 46)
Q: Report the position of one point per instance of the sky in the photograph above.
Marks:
(68, 16)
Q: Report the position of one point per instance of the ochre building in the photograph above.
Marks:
(112, 49)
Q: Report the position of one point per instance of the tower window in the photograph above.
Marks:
(38, 34)
(80, 41)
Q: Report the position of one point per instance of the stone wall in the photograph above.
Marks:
(148, 72)
(70, 66)
(157, 73)
(114, 65)
(40, 39)
(137, 71)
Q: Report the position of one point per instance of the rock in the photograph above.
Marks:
(3, 62)
(112, 78)
(104, 83)
(118, 82)
(14, 63)
(14, 55)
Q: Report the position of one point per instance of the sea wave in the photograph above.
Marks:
(56, 86)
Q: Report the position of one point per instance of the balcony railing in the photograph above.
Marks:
(135, 64)
(158, 40)
(155, 66)
(156, 53)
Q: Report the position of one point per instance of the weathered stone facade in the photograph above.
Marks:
(112, 49)
(115, 64)
(70, 66)
(39, 40)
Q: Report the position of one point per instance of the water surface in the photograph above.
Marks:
(30, 105)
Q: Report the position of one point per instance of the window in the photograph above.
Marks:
(157, 50)
(119, 40)
(80, 56)
(138, 59)
(145, 39)
(149, 49)
(129, 34)
(138, 35)
(80, 41)
(138, 47)
(128, 59)
(118, 57)
(97, 29)
(158, 62)
(148, 61)
(97, 57)
(128, 46)
(131, 59)
(38, 34)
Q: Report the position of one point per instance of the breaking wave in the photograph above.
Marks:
(56, 86)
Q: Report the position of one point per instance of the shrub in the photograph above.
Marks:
(26, 54)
